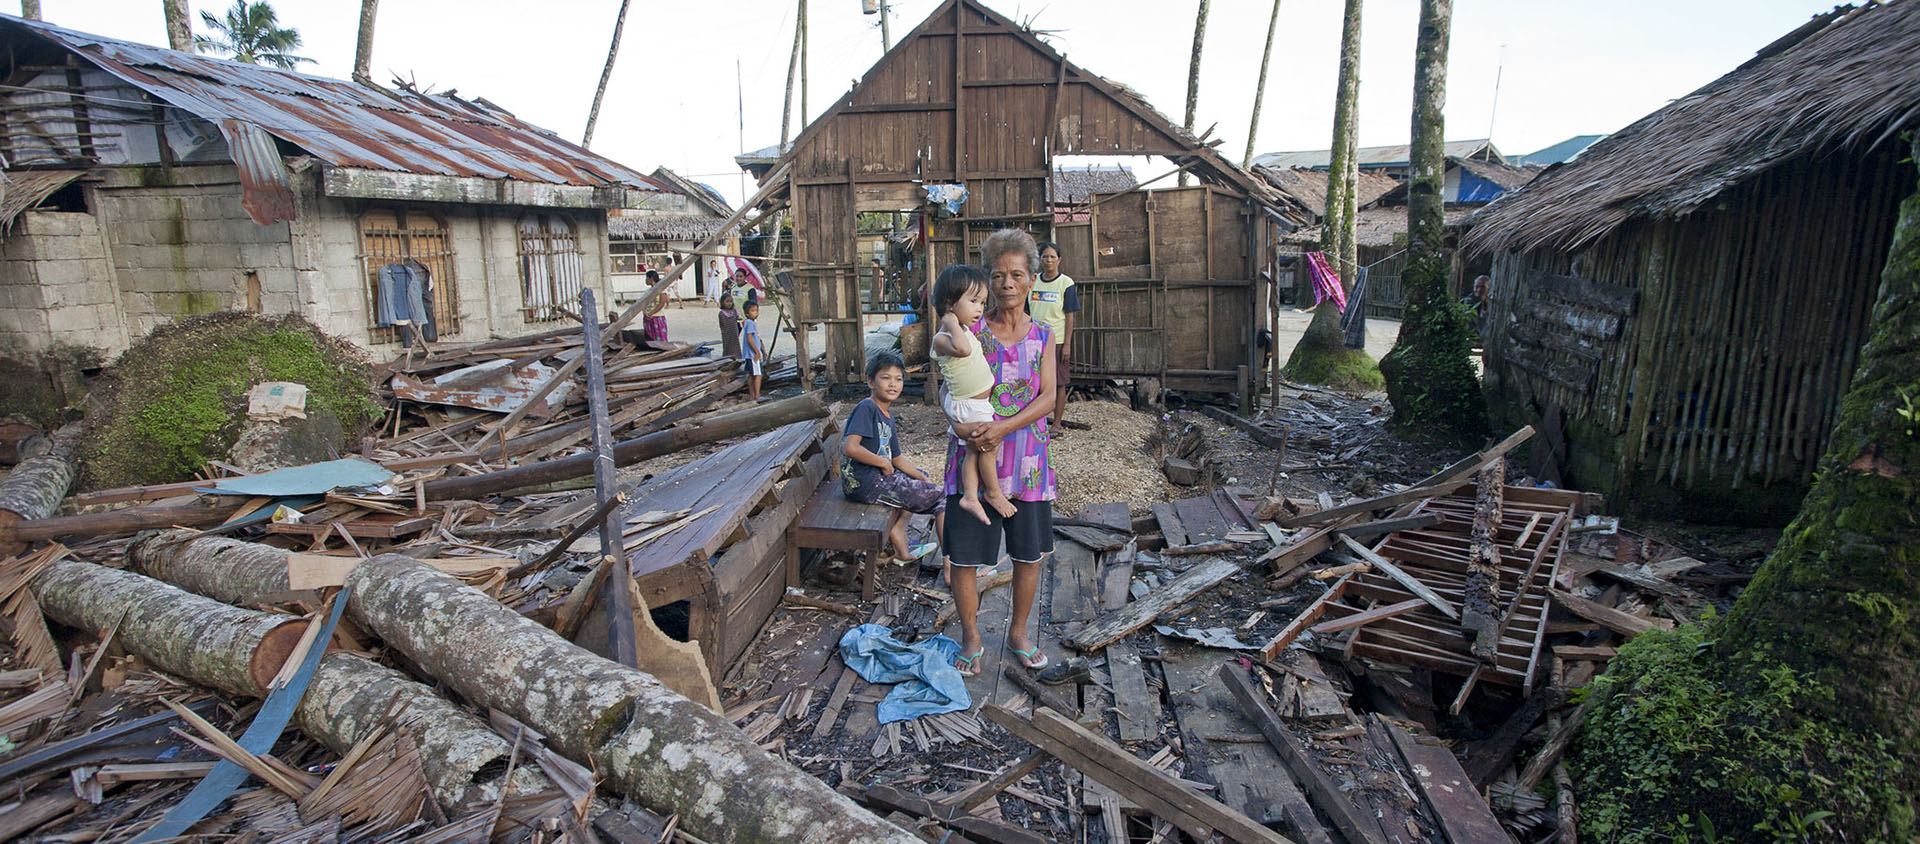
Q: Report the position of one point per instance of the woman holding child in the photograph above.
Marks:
(1020, 354)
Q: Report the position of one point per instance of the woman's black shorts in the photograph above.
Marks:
(1029, 533)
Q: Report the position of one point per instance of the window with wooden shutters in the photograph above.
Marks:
(395, 236)
(549, 267)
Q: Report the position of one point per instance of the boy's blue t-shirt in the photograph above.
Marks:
(749, 332)
(877, 434)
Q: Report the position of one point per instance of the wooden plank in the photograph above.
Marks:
(1363, 619)
(1202, 520)
(1247, 777)
(1075, 583)
(888, 798)
(1463, 815)
(1114, 625)
(1283, 558)
(1368, 530)
(1441, 483)
(1138, 704)
(1153, 789)
(1170, 526)
(1625, 624)
(1356, 826)
(1401, 577)
(1306, 618)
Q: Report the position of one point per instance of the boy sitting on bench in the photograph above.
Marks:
(872, 469)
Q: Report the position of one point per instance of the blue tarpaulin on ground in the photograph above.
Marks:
(928, 684)
(312, 479)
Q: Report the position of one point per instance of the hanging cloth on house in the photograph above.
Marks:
(406, 289)
(1326, 282)
(1354, 321)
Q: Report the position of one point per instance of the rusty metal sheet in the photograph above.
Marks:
(266, 191)
(347, 124)
(489, 386)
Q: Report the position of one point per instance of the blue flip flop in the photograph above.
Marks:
(1026, 656)
(970, 664)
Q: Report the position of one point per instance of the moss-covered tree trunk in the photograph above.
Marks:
(1321, 356)
(1797, 716)
(1839, 598)
(1429, 375)
(661, 749)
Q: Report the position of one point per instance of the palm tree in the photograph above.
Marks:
(252, 34)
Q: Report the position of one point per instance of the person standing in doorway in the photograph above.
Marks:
(1053, 304)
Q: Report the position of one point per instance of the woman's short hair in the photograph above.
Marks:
(1009, 242)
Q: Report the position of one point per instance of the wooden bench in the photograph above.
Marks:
(830, 522)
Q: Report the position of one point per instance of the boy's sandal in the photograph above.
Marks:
(969, 666)
(1032, 658)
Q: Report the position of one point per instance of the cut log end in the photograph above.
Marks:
(275, 647)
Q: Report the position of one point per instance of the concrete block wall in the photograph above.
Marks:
(57, 286)
(182, 244)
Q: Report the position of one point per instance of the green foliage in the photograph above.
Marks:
(1674, 751)
(178, 397)
(1429, 373)
(252, 33)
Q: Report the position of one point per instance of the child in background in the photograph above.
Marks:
(959, 299)
(756, 355)
(872, 469)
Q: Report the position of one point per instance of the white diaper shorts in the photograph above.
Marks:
(966, 411)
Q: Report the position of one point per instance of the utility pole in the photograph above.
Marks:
(886, 33)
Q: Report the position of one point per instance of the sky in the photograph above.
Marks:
(689, 74)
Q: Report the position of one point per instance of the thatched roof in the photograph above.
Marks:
(694, 227)
(1309, 186)
(1074, 185)
(1843, 83)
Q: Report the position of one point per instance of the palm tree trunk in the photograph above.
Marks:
(30, 9)
(1260, 88)
(793, 69)
(1193, 74)
(363, 50)
(1430, 379)
(179, 27)
(1321, 356)
(600, 91)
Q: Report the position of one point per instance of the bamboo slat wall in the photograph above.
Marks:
(1708, 353)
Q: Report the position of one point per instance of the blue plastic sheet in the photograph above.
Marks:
(312, 479)
(928, 684)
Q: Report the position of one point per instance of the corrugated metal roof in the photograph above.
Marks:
(1389, 156)
(347, 124)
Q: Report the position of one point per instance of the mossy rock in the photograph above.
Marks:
(1669, 732)
(177, 398)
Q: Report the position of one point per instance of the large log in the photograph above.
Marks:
(238, 651)
(749, 421)
(224, 569)
(112, 522)
(198, 639)
(32, 491)
(666, 752)
(1480, 608)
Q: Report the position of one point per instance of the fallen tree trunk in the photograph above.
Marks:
(224, 569)
(668, 753)
(199, 639)
(749, 421)
(1480, 609)
(32, 491)
(238, 651)
(129, 520)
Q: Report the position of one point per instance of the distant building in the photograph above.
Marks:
(1071, 188)
(1564, 151)
(1392, 161)
(144, 184)
(654, 238)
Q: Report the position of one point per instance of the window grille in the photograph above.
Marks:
(391, 236)
(549, 267)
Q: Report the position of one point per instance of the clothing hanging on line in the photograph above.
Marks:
(1326, 283)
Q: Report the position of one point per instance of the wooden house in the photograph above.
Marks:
(971, 98)
(1683, 305)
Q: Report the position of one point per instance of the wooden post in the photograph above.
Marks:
(617, 597)
(1481, 603)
